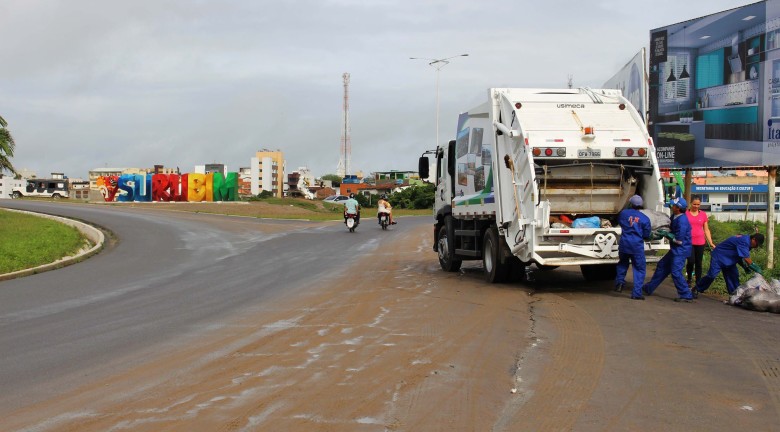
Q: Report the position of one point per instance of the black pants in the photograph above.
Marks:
(697, 253)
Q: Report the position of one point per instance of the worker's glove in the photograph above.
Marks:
(744, 265)
(665, 234)
(754, 267)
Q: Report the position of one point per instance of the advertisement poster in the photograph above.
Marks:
(714, 89)
(631, 81)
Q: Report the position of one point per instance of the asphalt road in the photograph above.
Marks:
(168, 276)
(581, 357)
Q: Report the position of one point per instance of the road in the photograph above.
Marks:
(203, 322)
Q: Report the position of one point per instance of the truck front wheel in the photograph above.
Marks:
(446, 247)
(17, 195)
(496, 270)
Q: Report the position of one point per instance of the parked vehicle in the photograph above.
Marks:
(49, 188)
(525, 165)
(336, 198)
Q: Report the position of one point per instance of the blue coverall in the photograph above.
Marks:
(725, 258)
(636, 227)
(674, 261)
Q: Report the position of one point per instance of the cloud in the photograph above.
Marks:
(89, 83)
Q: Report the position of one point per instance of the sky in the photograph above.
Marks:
(89, 84)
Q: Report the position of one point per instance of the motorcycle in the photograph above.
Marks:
(351, 221)
(384, 219)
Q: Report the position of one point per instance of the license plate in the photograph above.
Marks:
(589, 153)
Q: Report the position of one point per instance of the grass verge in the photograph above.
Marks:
(723, 230)
(28, 241)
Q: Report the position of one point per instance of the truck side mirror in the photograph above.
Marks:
(422, 167)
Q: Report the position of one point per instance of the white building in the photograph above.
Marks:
(267, 170)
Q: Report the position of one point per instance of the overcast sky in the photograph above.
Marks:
(94, 83)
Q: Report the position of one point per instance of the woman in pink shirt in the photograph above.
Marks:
(700, 236)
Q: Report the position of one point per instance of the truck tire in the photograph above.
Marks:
(496, 269)
(56, 196)
(17, 195)
(446, 245)
(516, 270)
(599, 272)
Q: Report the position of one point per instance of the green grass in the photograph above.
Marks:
(723, 230)
(307, 205)
(28, 241)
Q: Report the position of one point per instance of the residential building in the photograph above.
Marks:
(244, 182)
(267, 171)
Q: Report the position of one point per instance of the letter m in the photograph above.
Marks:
(225, 189)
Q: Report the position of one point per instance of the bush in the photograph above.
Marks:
(414, 197)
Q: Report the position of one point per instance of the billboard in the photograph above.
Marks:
(631, 81)
(714, 89)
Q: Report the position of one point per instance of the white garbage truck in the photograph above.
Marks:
(535, 179)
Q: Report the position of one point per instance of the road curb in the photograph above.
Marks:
(94, 235)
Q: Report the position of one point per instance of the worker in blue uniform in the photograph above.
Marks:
(679, 250)
(635, 227)
(730, 252)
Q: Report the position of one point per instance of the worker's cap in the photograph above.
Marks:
(679, 202)
(636, 201)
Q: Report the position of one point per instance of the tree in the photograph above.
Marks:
(363, 200)
(414, 197)
(334, 179)
(7, 146)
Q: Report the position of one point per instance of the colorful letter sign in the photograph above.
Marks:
(169, 187)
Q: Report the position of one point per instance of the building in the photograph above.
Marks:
(300, 183)
(216, 168)
(244, 182)
(267, 172)
(728, 189)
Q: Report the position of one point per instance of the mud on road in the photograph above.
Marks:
(395, 345)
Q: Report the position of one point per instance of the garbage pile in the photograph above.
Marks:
(757, 294)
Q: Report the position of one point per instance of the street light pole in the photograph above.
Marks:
(438, 64)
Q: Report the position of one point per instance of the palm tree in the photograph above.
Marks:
(6, 147)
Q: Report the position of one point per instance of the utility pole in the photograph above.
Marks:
(438, 64)
(346, 145)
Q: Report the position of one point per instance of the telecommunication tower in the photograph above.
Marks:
(346, 145)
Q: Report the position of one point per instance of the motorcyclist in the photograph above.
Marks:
(383, 206)
(351, 206)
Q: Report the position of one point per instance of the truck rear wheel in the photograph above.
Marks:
(496, 270)
(446, 246)
(599, 272)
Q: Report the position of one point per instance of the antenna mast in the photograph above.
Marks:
(346, 145)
